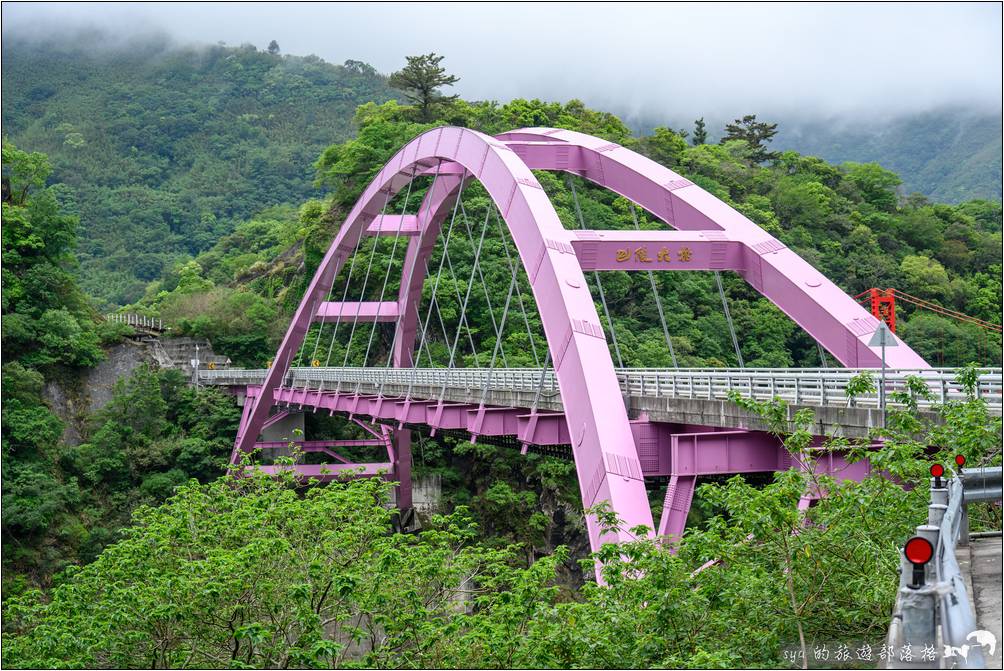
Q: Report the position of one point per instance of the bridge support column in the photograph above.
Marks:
(402, 468)
(679, 495)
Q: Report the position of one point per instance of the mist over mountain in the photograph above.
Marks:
(949, 154)
(162, 147)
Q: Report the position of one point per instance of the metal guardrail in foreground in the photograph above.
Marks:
(800, 386)
(942, 602)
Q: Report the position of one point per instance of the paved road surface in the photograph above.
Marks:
(981, 563)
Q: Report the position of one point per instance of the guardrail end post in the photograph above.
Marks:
(918, 608)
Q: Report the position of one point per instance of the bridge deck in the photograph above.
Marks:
(685, 396)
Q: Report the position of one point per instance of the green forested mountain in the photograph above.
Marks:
(950, 155)
(160, 149)
(223, 571)
(63, 503)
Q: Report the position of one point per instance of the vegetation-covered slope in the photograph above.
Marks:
(160, 149)
(249, 572)
(848, 221)
(949, 155)
(61, 503)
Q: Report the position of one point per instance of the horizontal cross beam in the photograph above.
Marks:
(315, 445)
(394, 224)
(367, 311)
(656, 250)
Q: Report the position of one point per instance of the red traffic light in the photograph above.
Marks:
(918, 551)
(937, 470)
(960, 460)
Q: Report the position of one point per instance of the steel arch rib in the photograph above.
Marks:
(603, 445)
(820, 307)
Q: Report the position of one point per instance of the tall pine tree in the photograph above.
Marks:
(700, 133)
(756, 134)
(420, 80)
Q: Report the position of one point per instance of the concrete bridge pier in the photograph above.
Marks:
(285, 426)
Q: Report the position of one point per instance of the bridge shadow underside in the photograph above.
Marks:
(676, 452)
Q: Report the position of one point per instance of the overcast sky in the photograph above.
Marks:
(674, 61)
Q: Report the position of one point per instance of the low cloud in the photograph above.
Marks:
(668, 63)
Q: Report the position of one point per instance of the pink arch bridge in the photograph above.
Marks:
(613, 454)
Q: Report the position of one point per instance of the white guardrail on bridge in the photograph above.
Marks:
(800, 386)
(152, 323)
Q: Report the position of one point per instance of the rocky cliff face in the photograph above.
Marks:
(73, 401)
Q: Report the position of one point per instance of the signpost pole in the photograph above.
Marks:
(882, 389)
(882, 337)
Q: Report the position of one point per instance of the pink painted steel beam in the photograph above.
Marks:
(725, 452)
(676, 506)
(395, 224)
(603, 449)
(318, 444)
(656, 250)
(832, 317)
(718, 452)
(365, 312)
(598, 425)
(327, 472)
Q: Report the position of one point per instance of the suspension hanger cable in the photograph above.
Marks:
(463, 309)
(439, 313)
(463, 317)
(484, 284)
(317, 339)
(728, 319)
(540, 383)
(435, 288)
(390, 267)
(400, 316)
(498, 343)
(345, 295)
(519, 290)
(297, 361)
(467, 295)
(658, 299)
(822, 354)
(362, 293)
(317, 342)
(596, 275)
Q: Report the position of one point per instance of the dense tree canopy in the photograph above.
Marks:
(756, 134)
(255, 572)
(47, 321)
(163, 149)
(258, 572)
